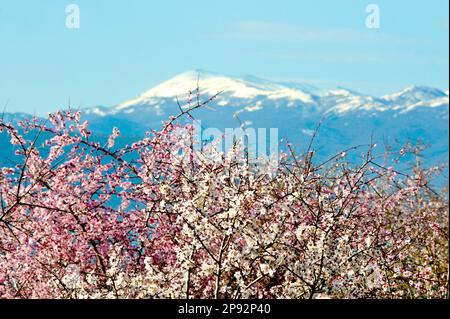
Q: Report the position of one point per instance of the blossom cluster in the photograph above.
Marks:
(157, 220)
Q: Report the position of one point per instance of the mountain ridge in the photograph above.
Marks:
(416, 114)
(253, 88)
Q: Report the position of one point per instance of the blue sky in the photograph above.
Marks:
(126, 47)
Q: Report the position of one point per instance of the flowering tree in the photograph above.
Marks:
(158, 219)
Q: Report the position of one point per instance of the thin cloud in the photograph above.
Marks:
(346, 57)
(283, 32)
(327, 57)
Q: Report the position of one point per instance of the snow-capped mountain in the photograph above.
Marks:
(416, 114)
(415, 94)
(209, 83)
(251, 94)
(246, 94)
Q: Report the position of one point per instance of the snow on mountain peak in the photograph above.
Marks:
(414, 94)
(341, 92)
(404, 101)
(212, 83)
